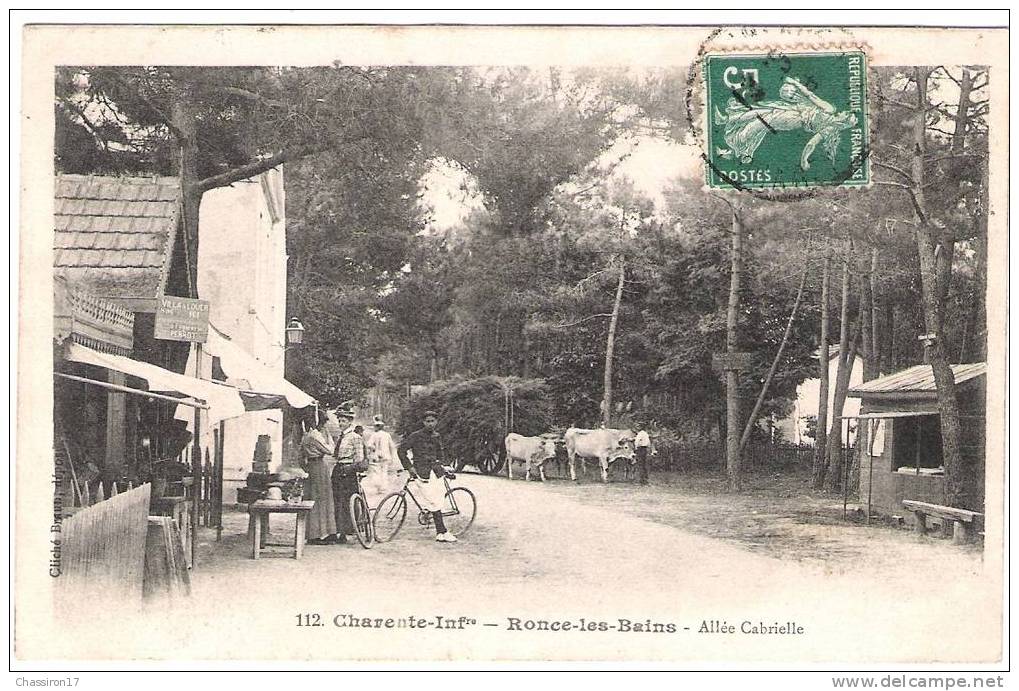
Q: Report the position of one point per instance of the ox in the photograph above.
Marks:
(606, 445)
(530, 450)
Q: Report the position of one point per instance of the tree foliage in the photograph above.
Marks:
(522, 289)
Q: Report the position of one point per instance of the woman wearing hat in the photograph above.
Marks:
(319, 462)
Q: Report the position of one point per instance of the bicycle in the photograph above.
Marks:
(459, 509)
(360, 516)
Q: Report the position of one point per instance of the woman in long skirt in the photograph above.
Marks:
(319, 462)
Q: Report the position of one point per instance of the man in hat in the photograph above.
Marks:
(424, 448)
(642, 447)
(350, 460)
(383, 456)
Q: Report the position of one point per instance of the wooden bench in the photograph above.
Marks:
(258, 524)
(962, 520)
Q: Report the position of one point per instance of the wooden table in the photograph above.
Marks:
(258, 524)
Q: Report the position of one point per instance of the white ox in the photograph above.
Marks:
(531, 450)
(606, 445)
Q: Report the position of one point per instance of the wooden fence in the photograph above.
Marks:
(102, 549)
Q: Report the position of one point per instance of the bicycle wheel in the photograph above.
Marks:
(389, 517)
(459, 509)
(361, 520)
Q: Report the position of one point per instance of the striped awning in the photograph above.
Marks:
(252, 376)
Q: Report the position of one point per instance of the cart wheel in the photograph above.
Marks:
(360, 518)
(491, 462)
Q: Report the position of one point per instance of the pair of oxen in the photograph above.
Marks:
(604, 445)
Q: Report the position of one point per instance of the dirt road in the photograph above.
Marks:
(589, 553)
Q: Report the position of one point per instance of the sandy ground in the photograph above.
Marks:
(675, 554)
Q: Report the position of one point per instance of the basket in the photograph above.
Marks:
(292, 490)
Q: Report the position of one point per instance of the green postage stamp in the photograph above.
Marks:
(781, 120)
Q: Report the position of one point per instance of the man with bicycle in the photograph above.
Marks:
(350, 460)
(421, 454)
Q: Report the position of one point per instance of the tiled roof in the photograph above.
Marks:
(114, 235)
(833, 352)
(917, 378)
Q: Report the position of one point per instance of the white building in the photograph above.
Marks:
(242, 272)
(808, 395)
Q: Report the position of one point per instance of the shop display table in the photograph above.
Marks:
(258, 524)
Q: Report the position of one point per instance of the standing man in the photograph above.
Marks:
(350, 460)
(424, 448)
(383, 456)
(642, 447)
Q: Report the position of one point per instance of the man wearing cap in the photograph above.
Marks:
(383, 456)
(350, 460)
(421, 454)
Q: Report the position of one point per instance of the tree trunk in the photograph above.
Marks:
(957, 479)
(961, 119)
(821, 429)
(752, 419)
(875, 315)
(733, 460)
(834, 445)
(611, 345)
(891, 359)
(868, 351)
(845, 370)
(977, 328)
(528, 356)
(978, 331)
(183, 121)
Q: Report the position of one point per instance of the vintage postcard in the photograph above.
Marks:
(487, 343)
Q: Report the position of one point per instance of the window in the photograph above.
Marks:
(917, 442)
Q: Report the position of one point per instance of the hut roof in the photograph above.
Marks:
(114, 236)
(916, 379)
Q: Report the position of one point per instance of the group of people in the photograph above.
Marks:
(333, 466)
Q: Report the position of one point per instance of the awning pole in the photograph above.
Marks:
(127, 389)
(845, 472)
(196, 467)
(919, 436)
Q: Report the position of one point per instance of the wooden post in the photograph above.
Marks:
(845, 473)
(217, 507)
(255, 530)
(116, 431)
(196, 466)
(873, 425)
(921, 522)
(208, 493)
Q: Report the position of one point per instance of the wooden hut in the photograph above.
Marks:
(903, 459)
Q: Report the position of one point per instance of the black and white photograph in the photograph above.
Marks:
(512, 344)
